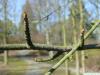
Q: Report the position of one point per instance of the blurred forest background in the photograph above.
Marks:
(46, 17)
(54, 22)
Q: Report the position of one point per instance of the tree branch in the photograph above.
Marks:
(48, 47)
(74, 49)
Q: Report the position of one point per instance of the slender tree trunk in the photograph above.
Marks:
(77, 63)
(5, 52)
(47, 33)
(82, 27)
(66, 62)
(83, 61)
(65, 44)
(5, 57)
(5, 31)
(75, 41)
(48, 42)
(67, 72)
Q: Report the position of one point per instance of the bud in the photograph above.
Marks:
(25, 14)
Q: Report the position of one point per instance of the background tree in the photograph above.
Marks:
(7, 24)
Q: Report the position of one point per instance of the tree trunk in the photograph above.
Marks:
(5, 31)
(5, 57)
(75, 41)
(77, 63)
(82, 41)
(48, 43)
